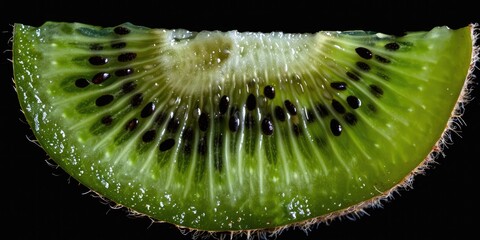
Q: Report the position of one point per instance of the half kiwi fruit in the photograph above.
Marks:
(235, 131)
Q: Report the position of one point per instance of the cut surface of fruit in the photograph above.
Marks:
(236, 130)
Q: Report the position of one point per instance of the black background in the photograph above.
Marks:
(41, 202)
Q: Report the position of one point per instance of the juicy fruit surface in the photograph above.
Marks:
(231, 131)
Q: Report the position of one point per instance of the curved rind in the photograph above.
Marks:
(133, 188)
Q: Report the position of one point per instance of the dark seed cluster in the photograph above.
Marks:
(98, 60)
(355, 75)
(367, 54)
(137, 100)
(235, 115)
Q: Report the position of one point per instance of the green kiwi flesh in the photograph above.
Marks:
(230, 131)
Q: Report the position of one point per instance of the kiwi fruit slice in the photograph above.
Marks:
(235, 131)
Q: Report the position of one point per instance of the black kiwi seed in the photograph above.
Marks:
(136, 99)
(354, 102)
(96, 47)
(131, 125)
(290, 107)
(267, 126)
(393, 46)
(97, 60)
(279, 113)
(338, 85)
(128, 87)
(364, 53)
(376, 90)
(81, 83)
(381, 59)
(123, 72)
(107, 120)
(149, 135)
(166, 144)
(310, 116)
(251, 102)
(173, 125)
(100, 77)
(350, 118)
(269, 92)
(104, 100)
(125, 57)
(234, 122)
(148, 110)
(296, 130)
(335, 127)
(363, 66)
(353, 76)
(322, 110)
(338, 106)
(121, 30)
(119, 45)
(223, 104)
(203, 121)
